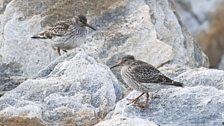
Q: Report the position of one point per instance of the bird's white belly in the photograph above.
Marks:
(69, 44)
(152, 87)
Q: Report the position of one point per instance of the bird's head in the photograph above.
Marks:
(81, 19)
(126, 60)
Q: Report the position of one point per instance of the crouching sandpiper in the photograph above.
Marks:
(143, 77)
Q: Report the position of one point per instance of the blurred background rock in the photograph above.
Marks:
(205, 20)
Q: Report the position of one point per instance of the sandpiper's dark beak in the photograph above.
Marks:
(90, 27)
(115, 65)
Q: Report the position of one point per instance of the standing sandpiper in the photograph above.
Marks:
(143, 77)
(66, 35)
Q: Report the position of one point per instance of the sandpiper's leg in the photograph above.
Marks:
(156, 95)
(59, 53)
(147, 100)
(135, 100)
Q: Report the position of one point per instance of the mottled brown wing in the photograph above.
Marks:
(60, 28)
(145, 73)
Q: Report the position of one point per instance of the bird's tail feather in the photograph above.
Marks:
(42, 35)
(179, 84)
(174, 83)
(38, 37)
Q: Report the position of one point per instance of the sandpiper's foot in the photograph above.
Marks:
(140, 106)
(145, 105)
(65, 51)
(156, 95)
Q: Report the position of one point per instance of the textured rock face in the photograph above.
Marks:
(221, 64)
(194, 13)
(10, 77)
(126, 122)
(21, 19)
(192, 105)
(203, 76)
(78, 88)
(189, 106)
(202, 18)
(210, 36)
(69, 95)
(137, 27)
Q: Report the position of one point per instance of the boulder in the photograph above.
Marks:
(69, 95)
(148, 29)
(210, 35)
(194, 13)
(221, 64)
(202, 18)
(78, 88)
(126, 122)
(189, 106)
(203, 77)
(10, 77)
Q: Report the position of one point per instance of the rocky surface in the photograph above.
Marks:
(123, 27)
(189, 106)
(221, 64)
(199, 103)
(202, 18)
(204, 77)
(3, 4)
(78, 88)
(147, 29)
(194, 13)
(69, 95)
(210, 36)
(124, 121)
(10, 77)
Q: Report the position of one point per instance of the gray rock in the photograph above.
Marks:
(189, 106)
(10, 77)
(3, 4)
(80, 89)
(126, 122)
(195, 76)
(147, 29)
(221, 64)
(203, 76)
(194, 13)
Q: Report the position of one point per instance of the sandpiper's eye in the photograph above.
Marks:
(82, 20)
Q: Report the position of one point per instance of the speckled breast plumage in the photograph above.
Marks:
(74, 37)
(129, 80)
